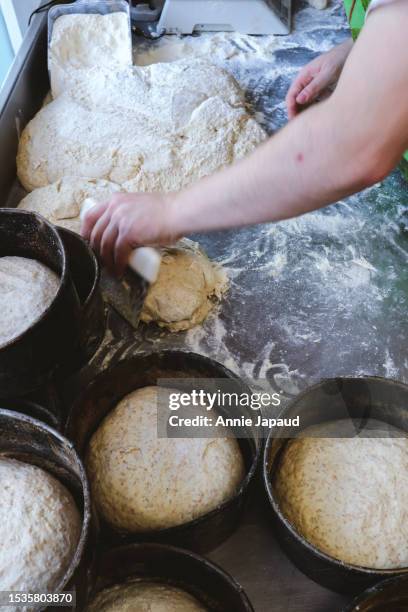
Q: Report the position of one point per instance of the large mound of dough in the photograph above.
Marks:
(62, 201)
(349, 496)
(28, 288)
(39, 528)
(142, 483)
(187, 288)
(152, 597)
(155, 129)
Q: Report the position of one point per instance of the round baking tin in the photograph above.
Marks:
(355, 398)
(31, 441)
(28, 361)
(212, 586)
(85, 273)
(104, 393)
(387, 596)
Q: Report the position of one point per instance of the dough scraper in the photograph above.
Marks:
(127, 295)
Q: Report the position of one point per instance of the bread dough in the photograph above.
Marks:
(28, 288)
(62, 201)
(158, 128)
(349, 496)
(142, 483)
(39, 529)
(187, 288)
(140, 596)
(80, 41)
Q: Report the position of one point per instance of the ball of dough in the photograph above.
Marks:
(155, 129)
(28, 288)
(348, 496)
(142, 483)
(39, 528)
(138, 596)
(62, 201)
(187, 288)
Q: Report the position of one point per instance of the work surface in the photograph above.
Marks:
(323, 295)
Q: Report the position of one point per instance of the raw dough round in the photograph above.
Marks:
(39, 529)
(155, 129)
(349, 496)
(28, 288)
(187, 288)
(61, 202)
(141, 596)
(142, 483)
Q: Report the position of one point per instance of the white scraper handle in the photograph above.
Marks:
(145, 260)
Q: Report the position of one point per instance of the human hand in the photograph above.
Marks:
(127, 221)
(316, 77)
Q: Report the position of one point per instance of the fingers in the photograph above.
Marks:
(91, 218)
(121, 254)
(298, 85)
(99, 229)
(312, 90)
(107, 247)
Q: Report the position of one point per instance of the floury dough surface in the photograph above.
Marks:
(129, 468)
(349, 496)
(62, 201)
(145, 596)
(188, 287)
(156, 128)
(80, 41)
(28, 288)
(39, 529)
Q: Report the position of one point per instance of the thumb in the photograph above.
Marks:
(311, 91)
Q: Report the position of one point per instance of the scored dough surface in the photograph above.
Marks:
(145, 596)
(39, 529)
(141, 482)
(28, 288)
(187, 288)
(62, 201)
(349, 496)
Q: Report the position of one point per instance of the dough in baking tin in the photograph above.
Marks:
(187, 288)
(349, 496)
(39, 529)
(80, 41)
(153, 129)
(142, 483)
(145, 596)
(28, 288)
(62, 201)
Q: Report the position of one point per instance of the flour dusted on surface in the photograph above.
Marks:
(138, 596)
(39, 529)
(151, 129)
(129, 468)
(81, 41)
(188, 287)
(27, 289)
(349, 496)
(62, 201)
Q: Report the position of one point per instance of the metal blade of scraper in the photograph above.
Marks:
(127, 295)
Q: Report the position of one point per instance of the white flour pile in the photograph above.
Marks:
(82, 41)
(27, 289)
(156, 128)
(39, 529)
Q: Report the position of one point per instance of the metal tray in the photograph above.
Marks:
(252, 555)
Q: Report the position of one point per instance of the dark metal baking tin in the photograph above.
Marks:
(387, 596)
(213, 587)
(28, 361)
(332, 399)
(31, 441)
(104, 393)
(85, 273)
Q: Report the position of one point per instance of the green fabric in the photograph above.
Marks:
(356, 25)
